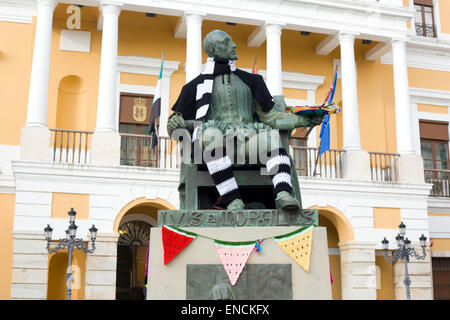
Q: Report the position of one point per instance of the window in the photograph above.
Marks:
(434, 150)
(133, 128)
(441, 278)
(424, 18)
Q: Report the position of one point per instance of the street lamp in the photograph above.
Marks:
(404, 251)
(70, 242)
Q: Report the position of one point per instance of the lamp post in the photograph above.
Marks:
(70, 242)
(404, 251)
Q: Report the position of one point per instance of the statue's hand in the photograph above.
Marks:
(175, 121)
(316, 118)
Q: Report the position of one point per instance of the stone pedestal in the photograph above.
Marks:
(356, 165)
(420, 273)
(358, 272)
(170, 282)
(410, 168)
(30, 266)
(100, 283)
(105, 148)
(34, 143)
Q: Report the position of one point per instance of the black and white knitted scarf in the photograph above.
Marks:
(203, 93)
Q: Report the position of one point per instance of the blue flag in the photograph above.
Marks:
(325, 128)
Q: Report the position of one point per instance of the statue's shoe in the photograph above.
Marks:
(236, 204)
(286, 201)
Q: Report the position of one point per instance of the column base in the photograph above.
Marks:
(34, 143)
(105, 148)
(410, 168)
(358, 270)
(356, 165)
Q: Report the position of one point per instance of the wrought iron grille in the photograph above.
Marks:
(426, 30)
(441, 278)
(134, 233)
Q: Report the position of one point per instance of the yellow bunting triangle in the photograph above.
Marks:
(297, 245)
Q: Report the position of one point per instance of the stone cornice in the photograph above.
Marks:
(376, 20)
(144, 65)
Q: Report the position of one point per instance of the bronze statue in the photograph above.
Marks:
(229, 101)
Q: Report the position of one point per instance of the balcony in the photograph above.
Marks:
(440, 181)
(73, 147)
(426, 30)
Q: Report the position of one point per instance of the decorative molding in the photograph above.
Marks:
(425, 55)
(429, 96)
(75, 40)
(374, 20)
(143, 65)
(20, 11)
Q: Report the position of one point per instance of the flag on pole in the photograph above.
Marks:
(255, 68)
(325, 128)
(156, 108)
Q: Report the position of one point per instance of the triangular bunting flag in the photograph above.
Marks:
(234, 255)
(297, 245)
(174, 241)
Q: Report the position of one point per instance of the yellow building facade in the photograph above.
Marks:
(71, 71)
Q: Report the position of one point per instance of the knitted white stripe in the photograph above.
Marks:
(205, 87)
(218, 165)
(227, 186)
(276, 161)
(209, 66)
(202, 111)
(281, 177)
(232, 65)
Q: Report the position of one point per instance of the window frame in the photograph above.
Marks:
(422, 23)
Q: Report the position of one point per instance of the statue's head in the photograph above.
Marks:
(219, 45)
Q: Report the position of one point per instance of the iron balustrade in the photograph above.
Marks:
(308, 164)
(383, 166)
(136, 151)
(440, 181)
(426, 30)
(71, 146)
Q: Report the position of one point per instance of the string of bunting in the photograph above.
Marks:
(235, 254)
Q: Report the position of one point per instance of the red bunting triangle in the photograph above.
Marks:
(174, 241)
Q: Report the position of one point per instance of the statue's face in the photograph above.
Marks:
(225, 48)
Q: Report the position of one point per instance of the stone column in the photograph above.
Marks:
(100, 282)
(273, 47)
(356, 162)
(410, 164)
(35, 134)
(105, 143)
(194, 45)
(358, 270)
(30, 266)
(420, 273)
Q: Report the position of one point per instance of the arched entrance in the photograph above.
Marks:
(134, 224)
(132, 250)
(339, 229)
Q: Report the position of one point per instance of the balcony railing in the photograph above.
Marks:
(308, 164)
(136, 151)
(426, 30)
(440, 179)
(383, 166)
(70, 146)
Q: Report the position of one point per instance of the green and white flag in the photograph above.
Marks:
(156, 108)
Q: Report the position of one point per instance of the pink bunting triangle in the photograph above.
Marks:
(234, 258)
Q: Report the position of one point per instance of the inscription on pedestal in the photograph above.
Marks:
(238, 218)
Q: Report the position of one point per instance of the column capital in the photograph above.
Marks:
(398, 42)
(47, 3)
(347, 36)
(194, 16)
(110, 7)
(273, 26)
